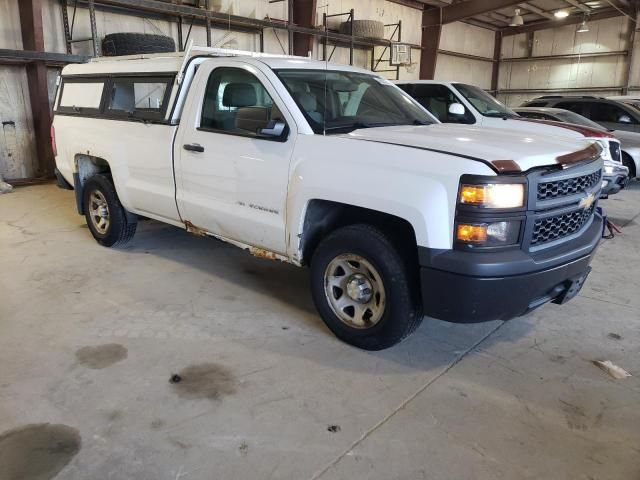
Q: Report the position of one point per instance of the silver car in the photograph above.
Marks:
(630, 141)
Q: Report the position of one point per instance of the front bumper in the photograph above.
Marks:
(468, 287)
(614, 179)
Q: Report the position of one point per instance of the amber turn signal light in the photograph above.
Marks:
(471, 233)
(473, 195)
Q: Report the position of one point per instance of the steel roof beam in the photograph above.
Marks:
(461, 11)
(579, 5)
(538, 11)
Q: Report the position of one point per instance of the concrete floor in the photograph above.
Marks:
(90, 337)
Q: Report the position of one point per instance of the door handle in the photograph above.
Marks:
(193, 147)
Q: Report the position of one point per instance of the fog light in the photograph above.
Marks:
(472, 233)
(605, 183)
(489, 234)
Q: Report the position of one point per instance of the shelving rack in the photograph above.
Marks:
(200, 14)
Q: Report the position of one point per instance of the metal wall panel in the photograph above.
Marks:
(17, 142)
(475, 72)
(464, 38)
(564, 73)
(10, 36)
(610, 35)
(515, 46)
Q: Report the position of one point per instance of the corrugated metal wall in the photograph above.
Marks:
(609, 35)
(471, 40)
(17, 145)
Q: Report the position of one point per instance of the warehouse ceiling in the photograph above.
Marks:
(533, 11)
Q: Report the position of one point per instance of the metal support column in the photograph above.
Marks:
(630, 48)
(208, 24)
(33, 39)
(304, 15)
(94, 28)
(352, 17)
(429, 55)
(289, 23)
(497, 53)
(65, 25)
(324, 39)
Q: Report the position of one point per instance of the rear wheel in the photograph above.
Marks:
(106, 217)
(363, 290)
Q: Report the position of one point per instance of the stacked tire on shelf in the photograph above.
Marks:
(118, 44)
(364, 28)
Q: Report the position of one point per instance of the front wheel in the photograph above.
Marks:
(363, 290)
(105, 215)
(628, 162)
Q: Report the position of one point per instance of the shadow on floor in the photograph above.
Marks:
(434, 344)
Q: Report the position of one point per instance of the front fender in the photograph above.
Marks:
(416, 185)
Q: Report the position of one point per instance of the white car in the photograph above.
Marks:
(455, 102)
(333, 167)
(630, 146)
(616, 175)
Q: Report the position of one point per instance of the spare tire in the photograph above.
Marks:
(364, 28)
(115, 44)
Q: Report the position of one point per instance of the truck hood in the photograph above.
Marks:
(506, 150)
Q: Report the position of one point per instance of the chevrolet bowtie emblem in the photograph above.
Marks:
(587, 201)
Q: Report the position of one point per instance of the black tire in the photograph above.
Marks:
(363, 28)
(121, 228)
(628, 162)
(116, 44)
(402, 311)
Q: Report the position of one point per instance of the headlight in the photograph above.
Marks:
(488, 234)
(493, 195)
(606, 153)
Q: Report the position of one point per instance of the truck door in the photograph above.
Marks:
(231, 171)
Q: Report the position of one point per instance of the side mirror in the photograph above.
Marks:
(275, 128)
(456, 109)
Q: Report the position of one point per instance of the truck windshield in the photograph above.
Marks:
(340, 102)
(483, 102)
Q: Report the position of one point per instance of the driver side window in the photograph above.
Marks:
(235, 102)
(438, 100)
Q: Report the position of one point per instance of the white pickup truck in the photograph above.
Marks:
(333, 167)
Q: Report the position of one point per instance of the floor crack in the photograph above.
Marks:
(404, 404)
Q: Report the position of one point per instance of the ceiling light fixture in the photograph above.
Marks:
(561, 14)
(583, 27)
(516, 20)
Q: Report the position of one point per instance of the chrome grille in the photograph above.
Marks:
(559, 226)
(614, 149)
(569, 186)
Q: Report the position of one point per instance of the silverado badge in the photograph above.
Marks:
(587, 201)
